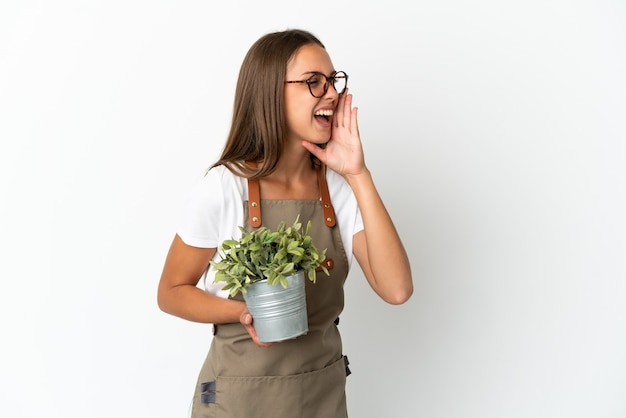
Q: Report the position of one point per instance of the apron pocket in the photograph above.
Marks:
(313, 394)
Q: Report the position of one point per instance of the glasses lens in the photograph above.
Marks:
(317, 84)
(340, 81)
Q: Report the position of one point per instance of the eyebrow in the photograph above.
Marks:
(319, 72)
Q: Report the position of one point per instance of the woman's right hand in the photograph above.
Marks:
(246, 320)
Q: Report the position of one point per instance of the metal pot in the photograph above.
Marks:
(278, 313)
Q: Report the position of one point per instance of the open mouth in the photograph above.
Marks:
(324, 114)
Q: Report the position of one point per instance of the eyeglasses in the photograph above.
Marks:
(318, 83)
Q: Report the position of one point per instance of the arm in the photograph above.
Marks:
(179, 295)
(378, 247)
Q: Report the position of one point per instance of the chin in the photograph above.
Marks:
(318, 141)
(322, 139)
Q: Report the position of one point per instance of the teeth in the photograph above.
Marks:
(327, 112)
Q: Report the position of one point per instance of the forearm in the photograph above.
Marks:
(386, 257)
(194, 304)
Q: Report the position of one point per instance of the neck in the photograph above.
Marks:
(294, 178)
(294, 163)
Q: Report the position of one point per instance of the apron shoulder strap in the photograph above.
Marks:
(254, 199)
(327, 206)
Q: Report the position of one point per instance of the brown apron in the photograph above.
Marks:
(299, 378)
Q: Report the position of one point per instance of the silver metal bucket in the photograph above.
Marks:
(278, 313)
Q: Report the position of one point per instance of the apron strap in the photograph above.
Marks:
(327, 206)
(254, 199)
(254, 202)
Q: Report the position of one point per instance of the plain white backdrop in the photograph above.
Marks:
(496, 134)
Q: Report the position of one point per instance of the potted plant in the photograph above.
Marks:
(260, 261)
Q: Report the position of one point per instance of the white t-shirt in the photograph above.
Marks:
(215, 210)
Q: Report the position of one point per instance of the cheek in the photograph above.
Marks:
(292, 118)
(297, 113)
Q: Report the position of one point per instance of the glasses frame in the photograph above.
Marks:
(329, 81)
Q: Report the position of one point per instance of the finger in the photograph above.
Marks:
(354, 124)
(245, 318)
(246, 321)
(258, 342)
(255, 338)
(345, 108)
(315, 150)
(346, 114)
(340, 107)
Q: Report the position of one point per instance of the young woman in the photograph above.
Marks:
(294, 135)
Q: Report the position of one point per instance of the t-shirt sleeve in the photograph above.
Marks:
(198, 225)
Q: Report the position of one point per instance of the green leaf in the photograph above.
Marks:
(297, 251)
(288, 269)
(263, 253)
(229, 243)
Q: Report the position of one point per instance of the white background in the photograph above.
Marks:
(496, 135)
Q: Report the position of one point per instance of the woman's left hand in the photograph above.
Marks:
(343, 152)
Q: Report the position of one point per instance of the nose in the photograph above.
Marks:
(330, 88)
